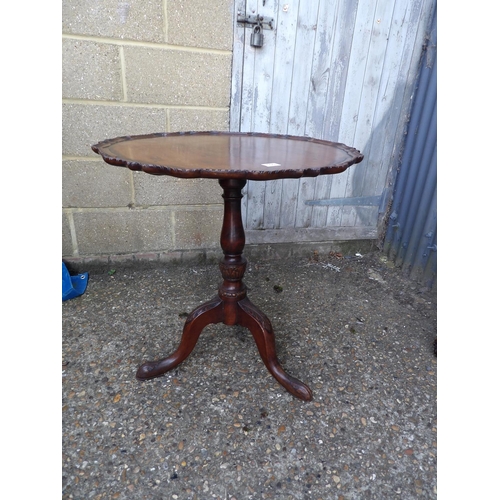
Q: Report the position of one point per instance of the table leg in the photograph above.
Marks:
(259, 325)
(210, 312)
(231, 307)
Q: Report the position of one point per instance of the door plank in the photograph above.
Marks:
(355, 82)
(319, 79)
(331, 105)
(235, 111)
(376, 54)
(286, 24)
(258, 78)
(291, 208)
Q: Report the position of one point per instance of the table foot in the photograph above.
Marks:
(259, 325)
(207, 313)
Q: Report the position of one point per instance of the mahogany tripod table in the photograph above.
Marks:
(232, 158)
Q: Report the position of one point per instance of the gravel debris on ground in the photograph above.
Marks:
(219, 426)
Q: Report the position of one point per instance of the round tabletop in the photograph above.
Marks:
(223, 155)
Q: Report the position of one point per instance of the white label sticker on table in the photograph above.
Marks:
(271, 164)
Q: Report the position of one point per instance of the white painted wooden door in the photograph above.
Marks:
(340, 70)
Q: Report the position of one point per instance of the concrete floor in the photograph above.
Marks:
(219, 426)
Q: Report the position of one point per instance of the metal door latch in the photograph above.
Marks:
(254, 20)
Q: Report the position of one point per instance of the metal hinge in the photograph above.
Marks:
(360, 201)
(365, 201)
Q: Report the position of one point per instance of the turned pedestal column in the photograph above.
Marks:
(231, 306)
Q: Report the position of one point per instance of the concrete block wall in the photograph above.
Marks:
(139, 67)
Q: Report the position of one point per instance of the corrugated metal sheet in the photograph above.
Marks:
(411, 235)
